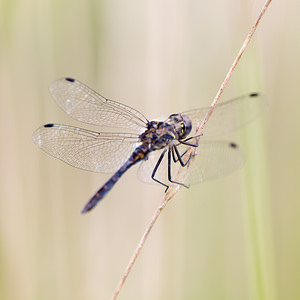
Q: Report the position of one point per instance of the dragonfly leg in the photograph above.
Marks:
(169, 169)
(181, 156)
(156, 167)
(185, 142)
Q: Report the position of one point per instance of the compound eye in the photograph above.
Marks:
(183, 127)
(175, 118)
(186, 127)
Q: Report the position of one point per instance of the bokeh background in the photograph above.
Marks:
(233, 238)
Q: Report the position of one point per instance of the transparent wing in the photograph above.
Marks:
(227, 116)
(147, 166)
(85, 105)
(85, 149)
(213, 159)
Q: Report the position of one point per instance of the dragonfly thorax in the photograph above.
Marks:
(158, 135)
(161, 134)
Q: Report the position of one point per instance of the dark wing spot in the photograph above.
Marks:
(48, 125)
(70, 79)
(233, 145)
(253, 95)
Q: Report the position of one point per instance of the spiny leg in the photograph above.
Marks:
(185, 142)
(170, 171)
(180, 156)
(156, 167)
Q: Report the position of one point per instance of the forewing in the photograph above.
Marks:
(85, 149)
(227, 116)
(213, 159)
(85, 105)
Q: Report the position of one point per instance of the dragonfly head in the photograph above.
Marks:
(182, 124)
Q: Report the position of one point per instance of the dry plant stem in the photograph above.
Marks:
(249, 36)
(139, 247)
(175, 188)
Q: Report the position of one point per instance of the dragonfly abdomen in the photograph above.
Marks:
(139, 154)
(101, 193)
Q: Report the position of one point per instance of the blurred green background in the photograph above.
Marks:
(233, 238)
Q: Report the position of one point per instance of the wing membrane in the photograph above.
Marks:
(85, 149)
(213, 159)
(85, 105)
(227, 116)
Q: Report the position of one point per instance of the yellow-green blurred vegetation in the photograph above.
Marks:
(237, 237)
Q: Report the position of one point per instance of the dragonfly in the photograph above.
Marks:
(161, 147)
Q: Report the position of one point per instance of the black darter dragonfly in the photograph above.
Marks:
(162, 147)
